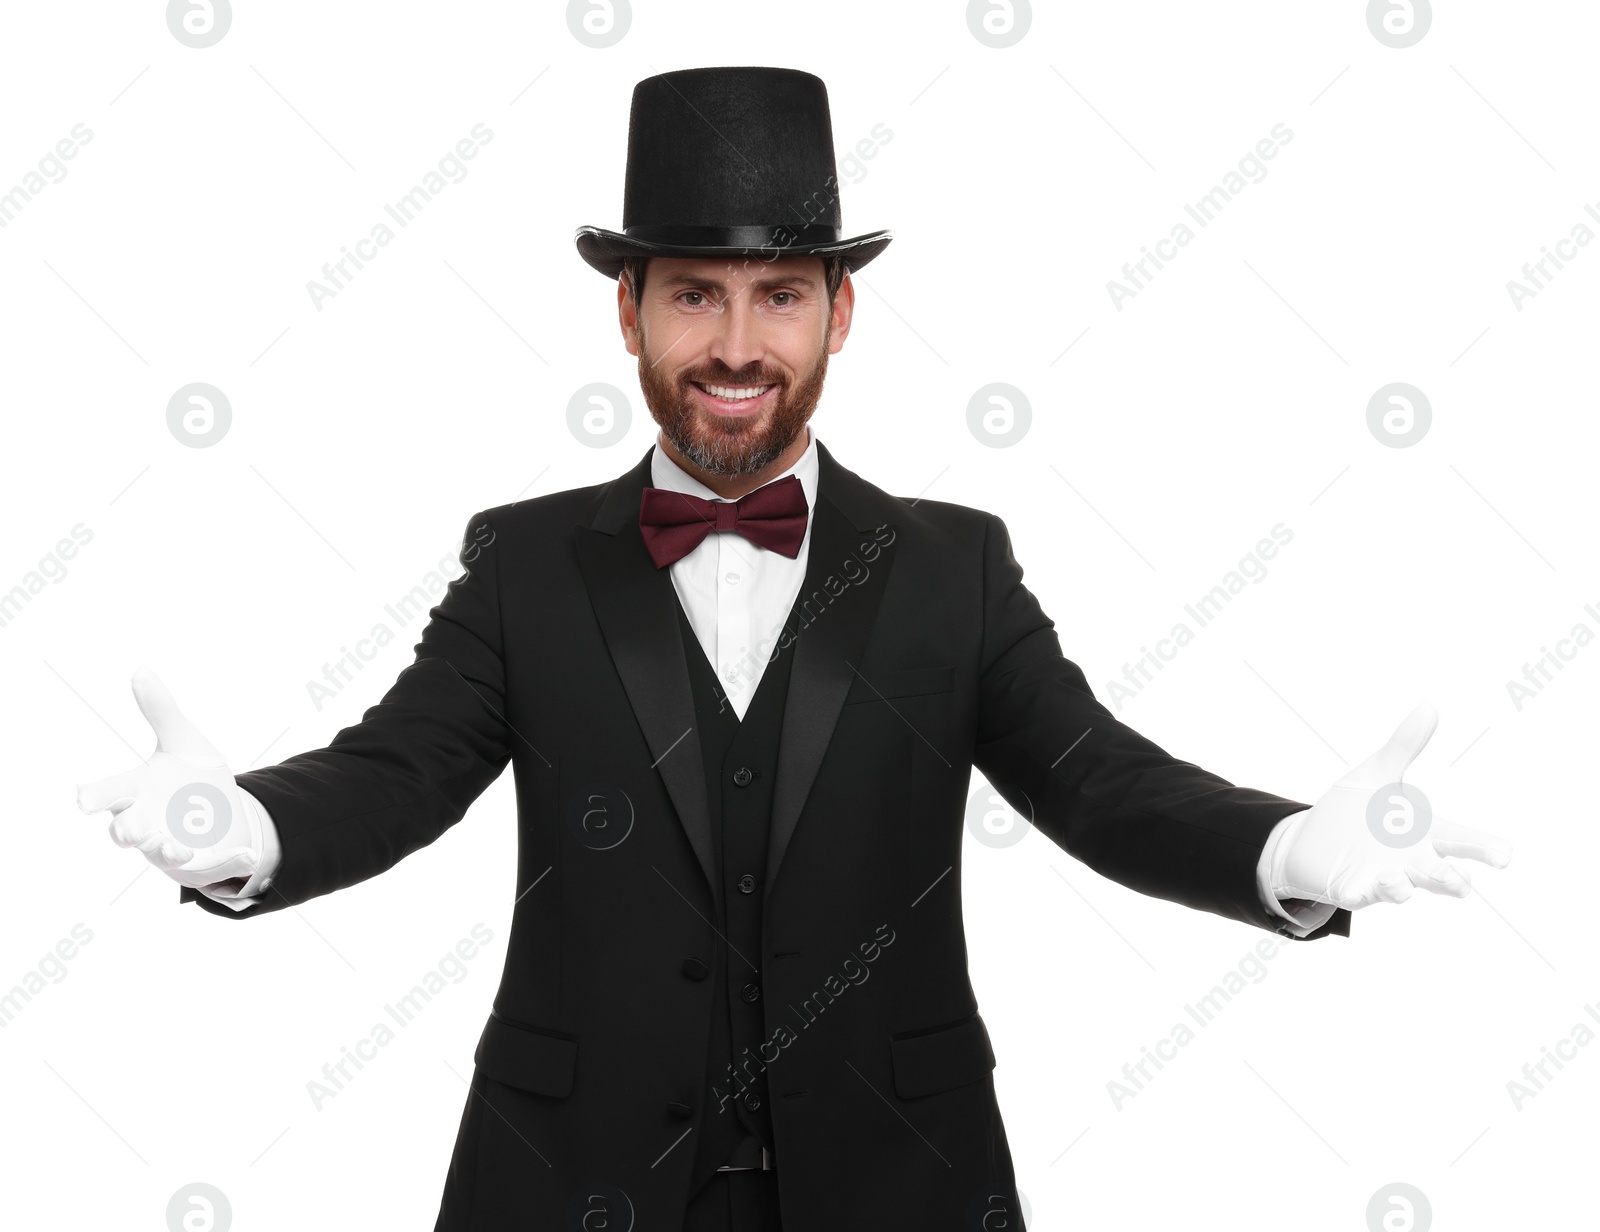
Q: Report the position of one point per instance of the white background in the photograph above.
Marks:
(1226, 397)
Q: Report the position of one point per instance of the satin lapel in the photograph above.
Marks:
(847, 568)
(637, 609)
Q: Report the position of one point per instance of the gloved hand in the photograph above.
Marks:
(182, 807)
(1372, 838)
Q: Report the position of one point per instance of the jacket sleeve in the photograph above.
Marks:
(410, 769)
(1098, 789)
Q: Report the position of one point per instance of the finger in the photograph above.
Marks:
(1440, 877)
(1389, 763)
(115, 792)
(221, 865)
(1352, 897)
(132, 828)
(1393, 886)
(1450, 838)
(175, 734)
(129, 828)
(167, 854)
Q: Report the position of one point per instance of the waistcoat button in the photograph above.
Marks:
(747, 884)
(742, 776)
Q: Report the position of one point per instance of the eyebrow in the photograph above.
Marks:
(759, 284)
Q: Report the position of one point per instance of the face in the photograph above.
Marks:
(732, 353)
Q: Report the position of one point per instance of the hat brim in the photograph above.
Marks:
(604, 250)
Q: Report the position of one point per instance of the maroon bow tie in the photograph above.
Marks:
(674, 523)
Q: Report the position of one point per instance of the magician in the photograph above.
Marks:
(742, 691)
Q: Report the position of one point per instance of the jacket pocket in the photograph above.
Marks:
(940, 1058)
(528, 1058)
(894, 682)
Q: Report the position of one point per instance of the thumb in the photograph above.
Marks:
(174, 733)
(1388, 764)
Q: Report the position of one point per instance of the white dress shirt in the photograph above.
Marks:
(737, 596)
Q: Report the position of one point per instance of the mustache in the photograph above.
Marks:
(735, 378)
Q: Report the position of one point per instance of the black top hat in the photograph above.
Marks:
(729, 162)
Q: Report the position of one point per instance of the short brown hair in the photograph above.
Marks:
(834, 269)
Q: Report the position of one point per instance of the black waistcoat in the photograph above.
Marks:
(741, 760)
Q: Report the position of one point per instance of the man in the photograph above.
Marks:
(742, 690)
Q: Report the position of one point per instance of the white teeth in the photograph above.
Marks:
(735, 395)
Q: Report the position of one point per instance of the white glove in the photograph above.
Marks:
(182, 807)
(1370, 838)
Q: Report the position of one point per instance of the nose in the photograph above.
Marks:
(737, 343)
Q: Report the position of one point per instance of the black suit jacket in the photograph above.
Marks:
(918, 654)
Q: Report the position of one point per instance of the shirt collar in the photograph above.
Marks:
(665, 473)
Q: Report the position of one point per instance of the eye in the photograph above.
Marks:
(700, 294)
(790, 294)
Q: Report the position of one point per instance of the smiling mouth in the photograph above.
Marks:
(733, 399)
(732, 393)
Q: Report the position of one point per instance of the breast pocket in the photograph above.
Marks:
(886, 684)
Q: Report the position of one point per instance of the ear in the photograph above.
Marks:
(844, 305)
(627, 315)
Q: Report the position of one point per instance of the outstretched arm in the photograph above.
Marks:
(410, 769)
(1098, 789)
(333, 816)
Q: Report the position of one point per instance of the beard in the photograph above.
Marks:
(727, 445)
